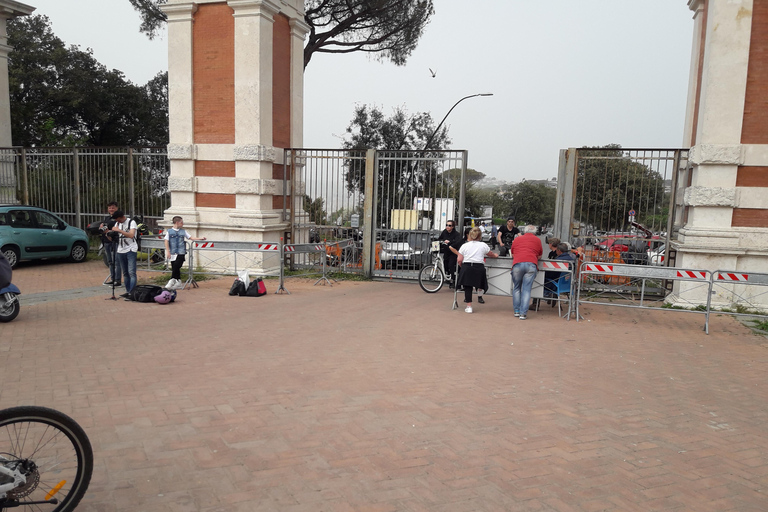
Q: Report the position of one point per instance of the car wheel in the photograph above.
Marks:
(79, 252)
(12, 255)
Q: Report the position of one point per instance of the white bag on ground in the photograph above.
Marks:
(243, 276)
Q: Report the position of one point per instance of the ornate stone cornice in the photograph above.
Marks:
(299, 28)
(254, 153)
(709, 196)
(179, 12)
(264, 8)
(716, 154)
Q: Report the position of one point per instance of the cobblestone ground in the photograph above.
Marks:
(374, 396)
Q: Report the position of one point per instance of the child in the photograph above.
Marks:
(176, 251)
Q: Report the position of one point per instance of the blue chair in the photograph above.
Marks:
(563, 287)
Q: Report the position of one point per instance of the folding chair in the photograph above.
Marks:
(563, 287)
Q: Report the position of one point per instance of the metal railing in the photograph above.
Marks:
(77, 183)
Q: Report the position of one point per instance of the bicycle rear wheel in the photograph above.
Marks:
(52, 453)
(431, 278)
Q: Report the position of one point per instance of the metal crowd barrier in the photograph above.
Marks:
(153, 245)
(498, 271)
(699, 280)
(333, 254)
(728, 285)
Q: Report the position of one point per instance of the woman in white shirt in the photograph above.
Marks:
(471, 257)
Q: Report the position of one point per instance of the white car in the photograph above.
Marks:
(656, 256)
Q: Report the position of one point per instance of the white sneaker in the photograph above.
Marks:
(178, 285)
(170, 284)
(468, 309)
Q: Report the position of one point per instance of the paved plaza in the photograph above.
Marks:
(375, 396)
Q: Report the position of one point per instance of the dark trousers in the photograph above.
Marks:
(176, 266)
(450, 263)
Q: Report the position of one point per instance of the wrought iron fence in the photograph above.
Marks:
(77, 183)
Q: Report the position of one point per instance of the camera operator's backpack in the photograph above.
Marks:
(141, 229)
(146, 292)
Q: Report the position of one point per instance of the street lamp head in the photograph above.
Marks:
(426, 146)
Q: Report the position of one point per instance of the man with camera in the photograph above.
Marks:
(126, 249)
(109, 241)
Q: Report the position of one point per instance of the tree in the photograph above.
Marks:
(609, 184)
(371, 129)
(314, 209)
(388, 28)
(533, 203)
(62, 96)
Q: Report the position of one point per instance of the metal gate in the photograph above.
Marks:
(611, 195)
(391, 203)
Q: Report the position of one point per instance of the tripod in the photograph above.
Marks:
(113, 267)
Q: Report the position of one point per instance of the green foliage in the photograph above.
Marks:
(62, 96)
(760, 325)
(609, 184)
(533, 203)
(400, 179)
(388, 29)
(314, 209)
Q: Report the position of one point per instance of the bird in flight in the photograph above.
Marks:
(434, 73)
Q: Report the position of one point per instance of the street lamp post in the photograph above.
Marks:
(426, 146)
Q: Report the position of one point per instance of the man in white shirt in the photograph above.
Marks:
(126, 250)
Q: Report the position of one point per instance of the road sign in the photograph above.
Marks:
(632, 213)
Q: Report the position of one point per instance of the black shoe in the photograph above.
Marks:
(125, 295)
(108, 283)
(480, 300)
(118, 283)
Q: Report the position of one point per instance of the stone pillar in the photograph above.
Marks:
(8, 10)
(726, 199)
(235, 101)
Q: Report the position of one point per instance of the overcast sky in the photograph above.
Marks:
(563, 73)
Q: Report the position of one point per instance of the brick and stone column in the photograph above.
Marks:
(8, 10)
(726, 199)
(235, 102)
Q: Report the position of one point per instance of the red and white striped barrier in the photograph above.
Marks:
(204, 245)
(553, 265)
(692, 274)
(592, 267)
(732, 276)
(268, 247)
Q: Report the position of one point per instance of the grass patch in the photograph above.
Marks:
(761, 326)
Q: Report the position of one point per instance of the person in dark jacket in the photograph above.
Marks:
(448, 237)
(109, 243)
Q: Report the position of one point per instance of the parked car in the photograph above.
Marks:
(403, 248)
(656, 256)
(30, 233)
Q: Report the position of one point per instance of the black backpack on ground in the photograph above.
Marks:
(146, 292)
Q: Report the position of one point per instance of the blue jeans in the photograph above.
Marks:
(523, 275)
(114, 266)
(127, 262)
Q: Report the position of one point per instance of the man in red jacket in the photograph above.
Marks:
(526, 251)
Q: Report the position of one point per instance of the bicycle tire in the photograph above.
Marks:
(431, 278)
(60, 453)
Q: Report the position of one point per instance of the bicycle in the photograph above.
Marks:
(432, 276)
(45, 459)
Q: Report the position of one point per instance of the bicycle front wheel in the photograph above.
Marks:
(431, 278)
(53, 454)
